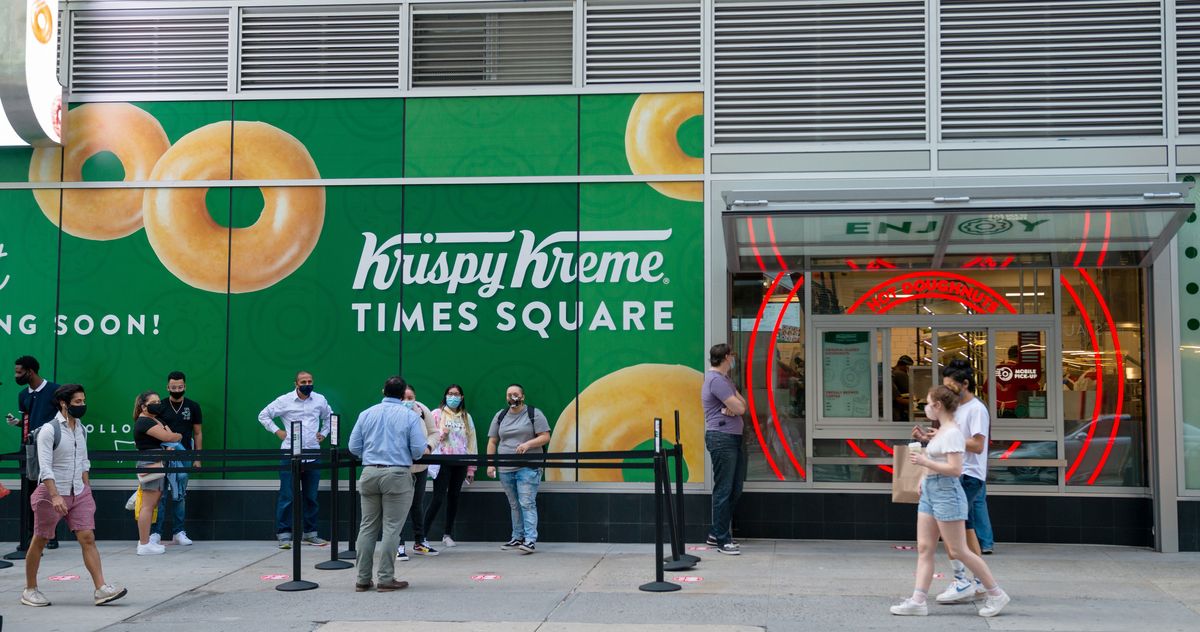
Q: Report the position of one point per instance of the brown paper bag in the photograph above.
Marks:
(906, 477)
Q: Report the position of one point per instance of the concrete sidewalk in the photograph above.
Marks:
(566, 587)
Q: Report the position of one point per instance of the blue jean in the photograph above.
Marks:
(310, 480)
(177, 512)
(978, 518)
(521, 488)
(729, 472)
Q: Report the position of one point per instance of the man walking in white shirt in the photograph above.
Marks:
(64, 491)
(312, 411)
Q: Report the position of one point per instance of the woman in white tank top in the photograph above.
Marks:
(942, 510)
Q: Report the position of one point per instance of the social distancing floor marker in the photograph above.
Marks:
(63, 578)
(274, 577)
(688, 579)
(485, 577)
(902, 547)
(697, 548)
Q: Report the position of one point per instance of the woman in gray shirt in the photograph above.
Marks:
(518, 429)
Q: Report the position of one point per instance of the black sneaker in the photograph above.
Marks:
(401, 555)
(510, 545)
(729, 549)
(712, 541)
(527, 547)
(52, 544)
(423, 548)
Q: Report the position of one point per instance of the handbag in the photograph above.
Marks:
(150, 477)
(906, 477)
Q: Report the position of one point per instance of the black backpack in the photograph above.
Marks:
(528, 409)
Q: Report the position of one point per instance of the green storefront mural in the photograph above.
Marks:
(564, 287)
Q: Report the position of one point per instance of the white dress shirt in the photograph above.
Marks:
(312, 413)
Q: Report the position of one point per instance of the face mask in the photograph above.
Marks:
(454, 401)
(22, 380)
(409, 403)
(177, 395)
(514, 401)
(156, 409)
(306, 390)
(929, 412)
(77, 411)
(732, 363)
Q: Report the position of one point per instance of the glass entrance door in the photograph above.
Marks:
(855, 428)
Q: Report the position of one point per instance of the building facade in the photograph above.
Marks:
(581, 197)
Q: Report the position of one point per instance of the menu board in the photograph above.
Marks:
(846, 374)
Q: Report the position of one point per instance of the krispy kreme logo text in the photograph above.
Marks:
(474, 264)
(885, 298)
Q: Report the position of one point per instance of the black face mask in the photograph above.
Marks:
(77, 411)
(156, 409)
(22, 380)
(514, 401)
(177, 395)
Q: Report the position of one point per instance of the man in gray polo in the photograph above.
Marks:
(388, 437)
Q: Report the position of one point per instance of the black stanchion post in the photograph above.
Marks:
(23, 528)
(334, 564)
(681, 520)
(675, 562)
(355, 505)
(659, 584)
(296, 584)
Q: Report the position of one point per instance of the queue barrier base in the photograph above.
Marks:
(659, 587)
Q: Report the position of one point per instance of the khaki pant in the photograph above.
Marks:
(386, 494)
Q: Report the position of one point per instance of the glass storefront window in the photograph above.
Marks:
(933, 292)
(767, 330)
(1104, 419)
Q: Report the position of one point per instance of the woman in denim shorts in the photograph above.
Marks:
(942, 509)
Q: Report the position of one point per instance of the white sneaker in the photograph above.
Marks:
(993, 605)
(107, 593)
(155, 538)
(181, 539)
(448, 542)
(910, 608)
(958, 592)
(151, 548)
(34, 597)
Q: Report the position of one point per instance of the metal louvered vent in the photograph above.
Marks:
(492, 47)
(313, 48)
(642, 43)
(1187, 62)
(1020, 68)
(150, 50)
(819, 71)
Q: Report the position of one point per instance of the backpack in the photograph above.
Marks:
(529, 409)
(33, 469)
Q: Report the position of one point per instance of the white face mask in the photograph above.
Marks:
(929, 412)
(732, 362)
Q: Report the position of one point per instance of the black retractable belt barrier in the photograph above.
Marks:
(297, 584)
(350, 553)
(335, 563)
(23, 530)
(659, 584)
(683, 557)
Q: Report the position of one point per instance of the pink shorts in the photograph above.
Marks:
(81, 512)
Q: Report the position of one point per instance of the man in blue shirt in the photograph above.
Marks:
(36, 405)
(388, 437)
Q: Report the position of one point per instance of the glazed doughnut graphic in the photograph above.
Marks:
(652, 144)
(42, 22)
(616, 412)
(129, 132)
(195, 248)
